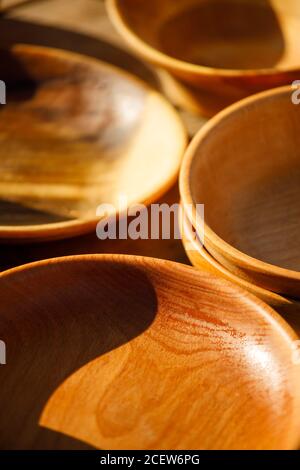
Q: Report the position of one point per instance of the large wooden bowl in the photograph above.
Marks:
(244, 165)
(220, 50)
(135, 353)
(76, 133)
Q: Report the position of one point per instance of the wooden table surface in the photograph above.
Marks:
(82, 26)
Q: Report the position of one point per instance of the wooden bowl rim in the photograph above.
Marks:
(152, 263)
(164, 60)
(84, 225)
(269, 296)
(236, 256)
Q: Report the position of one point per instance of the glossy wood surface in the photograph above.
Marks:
(183, 360)
(245, 167)
(223, 49)
(77, 133)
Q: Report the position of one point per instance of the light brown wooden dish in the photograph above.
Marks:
(244, 165)
(136, 353)
(76, 133)
(220, 50)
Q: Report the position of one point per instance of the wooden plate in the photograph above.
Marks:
(135, 353)
(76, 133)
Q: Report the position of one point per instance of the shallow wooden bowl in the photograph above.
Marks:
(223, 50)
(76, 133)
(244, 165)
(136, 353)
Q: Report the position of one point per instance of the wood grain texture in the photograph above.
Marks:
(183, 360)
(245, 166)
(75, 134)
(223, 50)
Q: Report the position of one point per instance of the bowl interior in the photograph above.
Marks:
(104, 363)
(77, 133)
(246, 171)
(225, 34)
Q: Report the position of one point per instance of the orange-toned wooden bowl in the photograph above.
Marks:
(76, 133)
(136, 353)
(244, 165)
(217, 52)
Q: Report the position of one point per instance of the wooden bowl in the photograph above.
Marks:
(202, 259)
(244, 166)
(219, 51)
(136, 353)
(76, 133)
